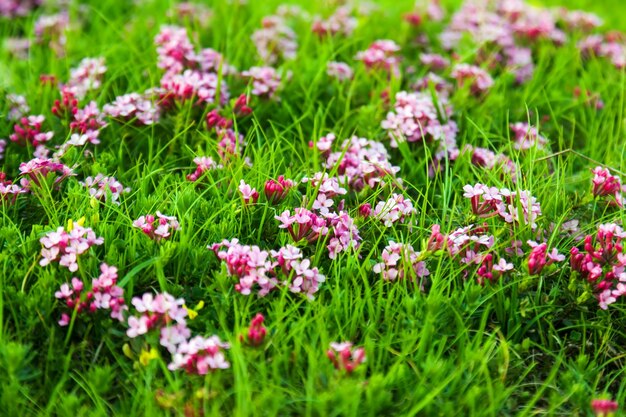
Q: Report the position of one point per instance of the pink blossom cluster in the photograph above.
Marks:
(201, 87)
(434, 62)
(400, 260)
(415, 119)
(602, 262)
(29, 130)
(104, 188)
(277, 190)
(134, 106)
(339, 70)
(65, 246)
(18, 107)
(51, 29)
(603, 407)
(204, 164)
(381, 55)
(248, 194)
(275, 40)
(397, 209)
(87, 124)
(303, 224)
(488, 271)
(8, 190)
(344, 234)
(265, 81)
(580, 20)
(255, 336)
(526, 136)
(259, 268)
(491, 201)
(39, 170)
(606, 184)
(339, 23)
(161, 312)
(157, 228)
(3, 145)
(478, 80)
(467, 244)
(230, 145)
(345, 357)
(200, 355)
(539, 257)
(14, 8)
(86, 77)
(360, 162)
(489, 160)
(605, 47)
(105, 294)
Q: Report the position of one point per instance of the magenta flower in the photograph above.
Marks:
(339, 70)
(303, 224)
(400, 260)
(526, 136)
(9, 191)
(395, 210)
(200, 355)
(133, 106)
(381, 55)
(157, 312)
(29, 131)
(101, 187)
(39, 169)
(277, 190)
(344, 357)
(65, 246)
(275, 40)
(479, 80)
(256, 332)
(158, 228)
(603, 408)
(606, 184)
(250, 195)
(86, 77)
(265, 81)
(203, 164)
(339, 23)
(540, 258)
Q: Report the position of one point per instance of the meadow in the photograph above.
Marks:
(333, 208)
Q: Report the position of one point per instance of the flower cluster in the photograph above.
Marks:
(415, 119)
(86, 77)
(395, 210)
(14, 8)
(602, 263)
(18, 107)
(277, 190)
(29, 131)
(64, 246)
(339, 70)
(157, 228)
(256, 332)
(606, 184)
(51, 30)
(87, 123)
(256, 267)
(203, 164)
(360, 162)
(265, 81)
(604, 408)
(489, 160)
(526, 136)
(200, 355)
(381, 55)
(303, 224)
(275, 40)
(344, 233)
(539, 257)
(605, 47)
(490, 201)
(400, 260)
(8, 190)
(344, 357)
(478, 80)
(104, 188)
(339, 23)
(105, 294)
(39, 170)
(134, 106)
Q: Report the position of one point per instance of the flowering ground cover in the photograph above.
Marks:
(312, 208)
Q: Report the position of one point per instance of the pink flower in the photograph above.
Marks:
(200, 355)
(277, 190)
(381, 55)
(157, 228)
(65, 247)
(399, 259)
(250, 195)
(275, 40)
(344, 357)
(606, 184)
(339, 23)
(104, 188)
(203, 164)
(134, 107)
(527, 136)
(256, 332)
(86, 77)
(339, 70)
(265, 81)
(395, 210)
(37, 170)
(602, 407)
(479, 80)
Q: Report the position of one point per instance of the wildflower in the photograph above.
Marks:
(250, 195)
(256, 332)
(339, 23)
(241, 108)
(345, 357)
(489, 160)
(479, 80)
(86, 77)
(18, 107)
(51, 29)
(602, 263)
(203, 165)
(9, 191)
(101, 187)
(134, 107)
(603, 408)
(147, 356)
(434, 62)
(339, 70)
(200, 355)
(213, 119)
(398, 260)
(302, 224)
(540, 258)
(199, 87)
(395, 210)
(104, 294)
(606, 184)
(344, 234)
(29, 131)
(275, 40)
(162, 310)
(265, 81)
(527, 136)
(277, 190)
(157, 228)
(65, 246)
(381, 55)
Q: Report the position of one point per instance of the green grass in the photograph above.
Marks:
(523, 346)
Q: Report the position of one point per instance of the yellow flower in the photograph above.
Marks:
(193, 313)
(146, 356)
(70, 223)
